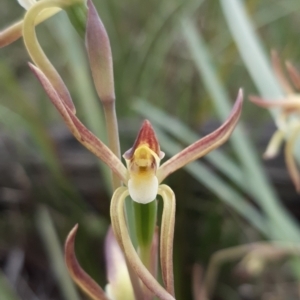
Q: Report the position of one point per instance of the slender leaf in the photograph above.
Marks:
(55, 254)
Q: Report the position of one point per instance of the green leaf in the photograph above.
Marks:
(55, 254)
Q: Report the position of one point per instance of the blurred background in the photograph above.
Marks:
(180, 65)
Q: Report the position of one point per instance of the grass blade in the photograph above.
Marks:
(54, 251)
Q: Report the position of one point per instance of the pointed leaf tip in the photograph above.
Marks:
(239, 102)
(82, 279)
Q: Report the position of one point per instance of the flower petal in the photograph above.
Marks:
(81, 133)
(204, 145)
(289, 104)
(143, 187)
(142, 160)
(274, 144)
(118, 194)
(121, 192)
(280, 74)
(11, 34)
(146, 136)
(36, 53)
(26, 3)
(92, 143)
(121, 232)
(117, 274)
(55, 99)
(166, 237)
(15, 31)
(100, 56)
(113, 255)
(82, 279)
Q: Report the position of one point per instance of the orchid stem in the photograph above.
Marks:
(145, 221)
(144, 253)
(113, 135)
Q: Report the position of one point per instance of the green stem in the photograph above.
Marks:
(144, 253)
(145, 221)
(113, 135)
(77, 16)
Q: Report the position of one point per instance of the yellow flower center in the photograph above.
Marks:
(143, 183)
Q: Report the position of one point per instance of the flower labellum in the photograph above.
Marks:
(143, 160)
(119, 286)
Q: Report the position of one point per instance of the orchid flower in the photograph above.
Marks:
(288, 121)
(141, 177)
